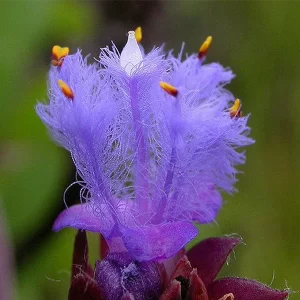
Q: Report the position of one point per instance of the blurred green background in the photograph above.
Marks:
(259, 40)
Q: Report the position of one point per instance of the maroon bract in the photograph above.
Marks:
(125, 281)
(83, 285)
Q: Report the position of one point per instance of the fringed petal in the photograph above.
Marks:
(207, 211)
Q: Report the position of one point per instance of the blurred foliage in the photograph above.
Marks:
(257, 39)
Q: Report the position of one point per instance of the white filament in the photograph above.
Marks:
(131, 54)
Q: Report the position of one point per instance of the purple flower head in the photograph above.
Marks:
(154, 138)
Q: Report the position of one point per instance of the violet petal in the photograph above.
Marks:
(243, 289)
(209, 256)
(161, 241)
(81, 216)
(211, 202)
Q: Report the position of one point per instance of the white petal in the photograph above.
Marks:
(131, 54)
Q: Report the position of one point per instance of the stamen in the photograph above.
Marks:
(138, 34)
(65, 89)
(204, 47)
(131, 54)
(227, 297)
(170, 89)
(235, 109)
(58, 55)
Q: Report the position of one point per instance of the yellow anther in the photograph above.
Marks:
(58, 55)
(138, 34)
(170, 89)
(205, 46)
(227, 297)
(65, 89)
(235, 109)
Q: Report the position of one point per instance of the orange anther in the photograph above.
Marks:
(138, 34)
(204, 47)
(170, 89)
(65, 89)
(58, 55)
(235, 109)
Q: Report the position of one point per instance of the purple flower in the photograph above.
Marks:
(154, 140)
